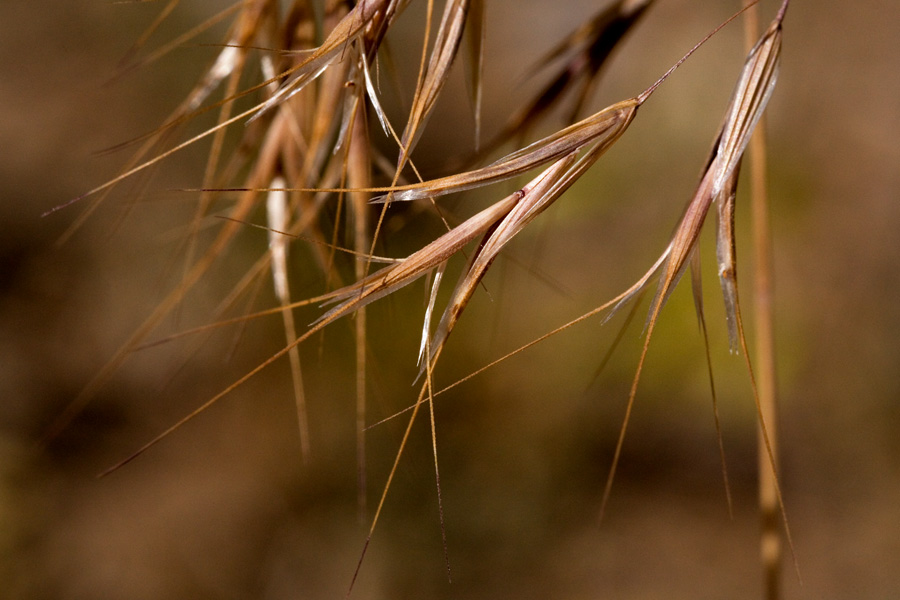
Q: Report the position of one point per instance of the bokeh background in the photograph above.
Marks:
(225, 508)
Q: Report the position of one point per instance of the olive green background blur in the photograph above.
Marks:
(225, 509)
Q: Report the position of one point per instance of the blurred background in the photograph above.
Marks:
(225, 508)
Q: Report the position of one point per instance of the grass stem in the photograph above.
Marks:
(770, 536)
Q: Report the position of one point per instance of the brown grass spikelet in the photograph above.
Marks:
(717, 184)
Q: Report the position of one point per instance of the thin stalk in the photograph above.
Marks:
(359, 173)
(770, 535)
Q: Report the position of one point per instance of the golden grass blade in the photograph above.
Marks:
(432, 82)
(606, 126)
(424, 64)
(277, 216)
(429, 311)
(323, 121)
(770, 537)
(348, 30)
(684, 240)
(359, 174)
(277, 213)
(697, 285)
(428, 389)
(762, 65)
(373, 97)
(697, 289)
(723, 163)
(768, 458)
(749, 100)
(726, 257)
(474, 34)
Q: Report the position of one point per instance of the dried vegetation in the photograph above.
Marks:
(297, 150)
